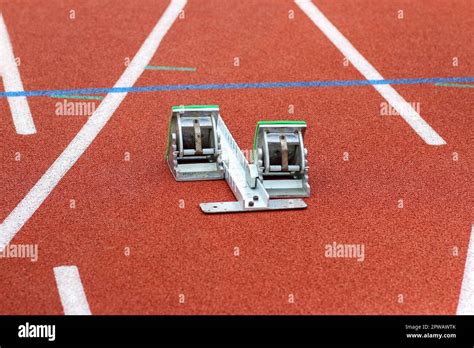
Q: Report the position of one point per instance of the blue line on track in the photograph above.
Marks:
(251, 85)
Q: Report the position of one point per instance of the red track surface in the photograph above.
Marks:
(136, 204)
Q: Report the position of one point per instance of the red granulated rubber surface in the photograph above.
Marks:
(177, 250)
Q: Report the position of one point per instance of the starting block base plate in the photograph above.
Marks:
(237, 207)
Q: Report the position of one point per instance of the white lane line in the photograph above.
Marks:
(406, 111)
(36, 196)
(20, 110)
(466, 298)
(71, 291)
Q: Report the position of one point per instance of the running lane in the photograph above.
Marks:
(58, 49)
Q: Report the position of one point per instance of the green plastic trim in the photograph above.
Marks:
(169, 135)
(194, 107)
(269, 123)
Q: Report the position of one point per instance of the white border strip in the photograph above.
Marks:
(46, 184)
(71, 291)
(406, 111)
(466, 298)
(19, 107)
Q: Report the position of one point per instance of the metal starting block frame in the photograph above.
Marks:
(193, 143)
(201, 147)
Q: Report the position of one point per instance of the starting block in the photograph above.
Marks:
(281, 158)
(193, 143)
(201, 147)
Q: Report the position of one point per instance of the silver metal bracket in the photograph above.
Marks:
(193, 144)
(281, 158)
